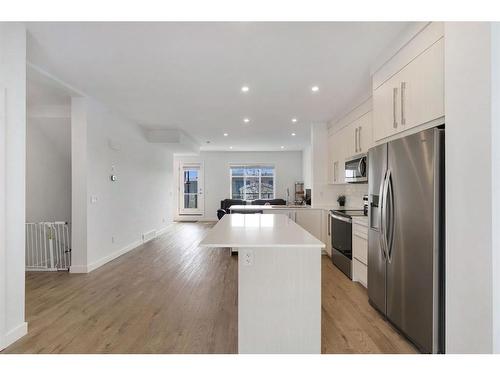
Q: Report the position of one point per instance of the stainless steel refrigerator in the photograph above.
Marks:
(406, 236)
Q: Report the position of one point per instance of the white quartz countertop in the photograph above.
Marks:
(264, 230)
(360, 220)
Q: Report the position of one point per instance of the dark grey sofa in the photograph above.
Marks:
(226, 203)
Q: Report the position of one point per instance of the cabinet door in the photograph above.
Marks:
(365, 133)
(422, 87)
(330, 173)
(385, 109)
(350, 139)
(328, 234)
(343, 137)
(310, 220)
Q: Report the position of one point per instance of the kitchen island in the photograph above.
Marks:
(279, 282)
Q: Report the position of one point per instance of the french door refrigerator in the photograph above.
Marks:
(406, 236)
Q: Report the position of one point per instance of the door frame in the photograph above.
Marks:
(200, 211)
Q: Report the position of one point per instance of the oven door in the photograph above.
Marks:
(341, 231)
(356, 170)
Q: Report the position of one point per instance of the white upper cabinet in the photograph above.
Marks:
(423, 96)
(364, 133)
(358, 136)
(414, 95)
(336, 158)
(385, 109)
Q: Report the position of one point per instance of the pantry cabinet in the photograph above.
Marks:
(411, 97)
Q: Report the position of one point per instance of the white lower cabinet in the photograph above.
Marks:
(360, 272)
(327, 235)
(310, 220)
(360, 253)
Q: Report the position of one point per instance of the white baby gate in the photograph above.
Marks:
(48, 246)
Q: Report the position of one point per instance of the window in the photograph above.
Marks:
(249, 182)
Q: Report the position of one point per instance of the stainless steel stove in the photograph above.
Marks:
(341, 230)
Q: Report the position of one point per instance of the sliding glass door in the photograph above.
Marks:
(191, 189)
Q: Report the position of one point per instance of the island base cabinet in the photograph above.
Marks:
(310, 220)
(279, 300)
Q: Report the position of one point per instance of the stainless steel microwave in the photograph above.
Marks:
(356, 169)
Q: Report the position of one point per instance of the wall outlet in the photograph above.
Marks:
(248, 257)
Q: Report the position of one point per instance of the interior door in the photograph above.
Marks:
(410, 267)
(191, 197)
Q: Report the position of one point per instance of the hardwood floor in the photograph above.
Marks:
(169, 296)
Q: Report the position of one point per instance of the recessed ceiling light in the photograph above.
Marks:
(225, 134)
(294, 120)
(245, 89)
(315, 89)
(282, 147)
(230, 147)
(293, 134)
(246, 120)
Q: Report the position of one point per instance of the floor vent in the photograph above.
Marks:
(148, 236)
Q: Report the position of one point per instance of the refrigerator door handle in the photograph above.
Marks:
(390, 216)
(382, 217)
(384, 213)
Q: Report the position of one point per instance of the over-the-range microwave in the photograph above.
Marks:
(356, 169)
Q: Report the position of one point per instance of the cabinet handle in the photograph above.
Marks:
(359, 139)
(394, 97)
(403, 99)
(356, 140)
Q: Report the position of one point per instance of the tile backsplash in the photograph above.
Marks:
(353, 194)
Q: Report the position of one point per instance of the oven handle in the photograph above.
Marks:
(341, 218)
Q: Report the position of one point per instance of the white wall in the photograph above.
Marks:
(288, 169)
(141, 199)
(472, 263)
(12, 180)
(79, 197)
(307, 166)
(48, 169)
(495, 168)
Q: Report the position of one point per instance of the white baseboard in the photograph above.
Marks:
(108, 258)
(197, 219)
(13, 335)
(78, 269)
(161, 231)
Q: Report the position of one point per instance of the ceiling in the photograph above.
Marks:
(44, 91)
(189, 76)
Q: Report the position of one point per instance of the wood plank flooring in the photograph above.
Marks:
(170, 296)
